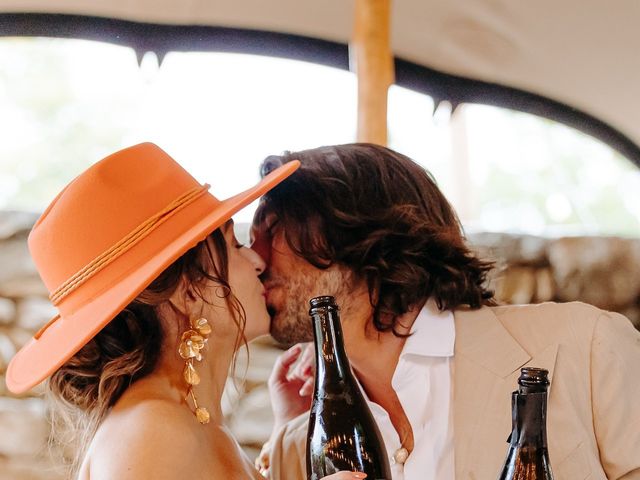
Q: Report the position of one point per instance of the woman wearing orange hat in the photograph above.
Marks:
(154, 297)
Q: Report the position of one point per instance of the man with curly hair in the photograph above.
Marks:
(434, 354)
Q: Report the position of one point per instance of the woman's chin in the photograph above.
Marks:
(254, 331)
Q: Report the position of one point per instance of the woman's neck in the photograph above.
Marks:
(214, 370)
(167, 380)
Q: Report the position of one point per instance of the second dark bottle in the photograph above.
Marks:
(528, 457)
(342, 433)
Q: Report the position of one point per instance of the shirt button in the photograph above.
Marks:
(400, 456)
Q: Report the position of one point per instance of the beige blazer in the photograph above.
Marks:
(593, 425)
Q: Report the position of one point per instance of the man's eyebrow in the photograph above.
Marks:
(259, 223)
(271, 225)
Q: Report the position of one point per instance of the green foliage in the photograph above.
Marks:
(67, 103)
(51, 130)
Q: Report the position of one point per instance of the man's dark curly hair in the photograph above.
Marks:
(382, 216)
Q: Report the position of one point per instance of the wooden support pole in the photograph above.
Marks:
(372, 59)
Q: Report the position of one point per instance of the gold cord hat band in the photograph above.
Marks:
(140, 232)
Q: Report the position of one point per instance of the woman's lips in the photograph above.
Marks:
(270, 289)
(269, 292)
(265, 294)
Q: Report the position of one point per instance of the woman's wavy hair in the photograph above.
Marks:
(381, 215)
(82, 391)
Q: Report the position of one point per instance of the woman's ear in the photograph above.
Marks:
(184, 299)
(189, 294)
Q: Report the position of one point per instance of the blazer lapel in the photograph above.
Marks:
(487, 363)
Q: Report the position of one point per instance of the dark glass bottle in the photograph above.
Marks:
(528, 457)
(342, 433)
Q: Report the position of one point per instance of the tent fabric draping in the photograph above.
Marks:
(580, 53)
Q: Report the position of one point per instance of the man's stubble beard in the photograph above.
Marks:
(292, 324)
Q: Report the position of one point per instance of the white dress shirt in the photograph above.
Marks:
(423, 381)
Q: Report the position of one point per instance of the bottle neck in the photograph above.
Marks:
(331, 359)
(529, 419)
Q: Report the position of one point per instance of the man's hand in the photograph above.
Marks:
(291, 386)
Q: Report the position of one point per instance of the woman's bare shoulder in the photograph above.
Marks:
(153, 439)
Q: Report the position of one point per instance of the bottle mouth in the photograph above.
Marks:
(322, 301)
(534, 379)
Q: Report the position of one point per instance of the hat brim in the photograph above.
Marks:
(65, 336)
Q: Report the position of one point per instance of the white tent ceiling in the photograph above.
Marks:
(582, 53)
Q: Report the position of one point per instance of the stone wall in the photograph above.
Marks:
(23, 307)
(602, 271)
(597, 270)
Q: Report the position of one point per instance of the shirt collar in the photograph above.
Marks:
(433, 333)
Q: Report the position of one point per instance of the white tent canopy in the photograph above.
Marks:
(583, 54)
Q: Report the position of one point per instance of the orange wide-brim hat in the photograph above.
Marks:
(106, 237)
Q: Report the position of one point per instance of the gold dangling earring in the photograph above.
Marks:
(191, 344)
